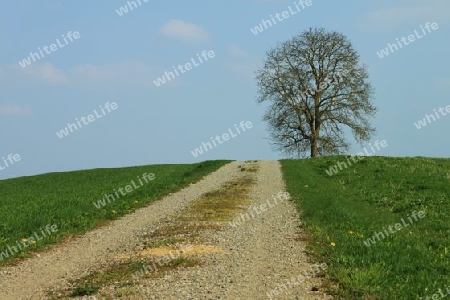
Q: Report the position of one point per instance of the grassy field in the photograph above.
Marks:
(342, 211)
(67, 201)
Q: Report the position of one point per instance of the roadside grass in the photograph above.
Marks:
(66, 200)
(341, 211)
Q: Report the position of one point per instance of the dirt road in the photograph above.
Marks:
(233, 235)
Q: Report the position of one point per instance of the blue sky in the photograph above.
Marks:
(117, 58)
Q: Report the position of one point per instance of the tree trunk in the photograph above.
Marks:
(314, 152)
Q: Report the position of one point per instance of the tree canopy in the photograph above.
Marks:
(317, 89)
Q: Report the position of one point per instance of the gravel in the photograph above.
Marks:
(258, 256)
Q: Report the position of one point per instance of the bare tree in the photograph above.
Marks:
(317, 90)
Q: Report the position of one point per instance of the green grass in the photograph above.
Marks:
(119, 275)
(163, 242)
(66, 199)
(364, 198)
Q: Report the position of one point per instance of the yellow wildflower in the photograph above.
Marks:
(333, 244)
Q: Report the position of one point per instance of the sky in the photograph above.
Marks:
(113, 58)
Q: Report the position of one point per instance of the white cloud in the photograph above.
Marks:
(241, 63)
(268, 1)
(411, 14)
(443, 83)
(237, 51)
(31, 4)
(14, 110)
(46, 72)
(54, 5)
(128, 74)
(131, 73)
(246, 71)
(185, 31)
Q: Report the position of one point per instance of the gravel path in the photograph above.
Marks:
(246, 261)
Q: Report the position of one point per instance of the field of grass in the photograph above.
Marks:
(66, 200)
(342, 211)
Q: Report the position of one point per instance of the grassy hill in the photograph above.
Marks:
(381, 224)
(411, 258)
(70, 201)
